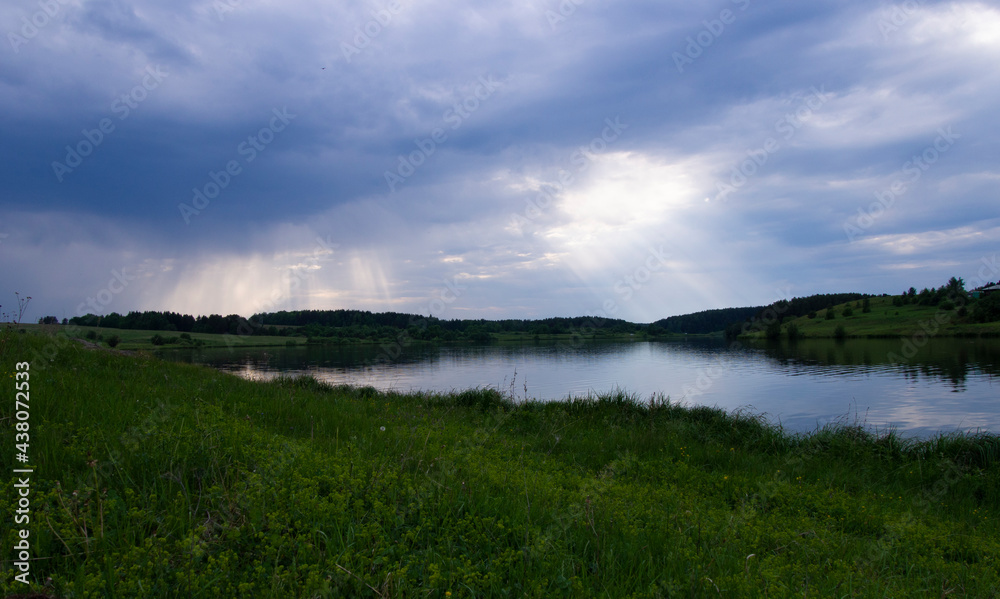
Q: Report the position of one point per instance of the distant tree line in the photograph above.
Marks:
(952, 291)
(953, 295)
(707, 321)
(168, 321)
(357, 324)
(365, 325)
(353, 324)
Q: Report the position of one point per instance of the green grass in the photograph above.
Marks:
(131, 340)
(142, 340)
(886, 320)
(162, 479)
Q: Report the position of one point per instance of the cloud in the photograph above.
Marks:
(849, 93)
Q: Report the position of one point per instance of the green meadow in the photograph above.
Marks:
(887, 320)
(157, 479)
(137, 339)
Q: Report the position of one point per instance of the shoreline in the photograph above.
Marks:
(154, 478)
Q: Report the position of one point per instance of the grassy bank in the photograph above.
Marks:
(887, 320)
(137, 339)
(163, 479)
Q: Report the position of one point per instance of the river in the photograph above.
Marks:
(947, 385)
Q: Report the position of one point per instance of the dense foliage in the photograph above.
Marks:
(707, 321)
(357, 324)
(152, 320)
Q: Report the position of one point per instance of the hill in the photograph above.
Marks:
(886, 318)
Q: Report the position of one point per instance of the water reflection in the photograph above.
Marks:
(948, 360)
(945, 385)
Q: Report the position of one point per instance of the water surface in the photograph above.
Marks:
(949, 384)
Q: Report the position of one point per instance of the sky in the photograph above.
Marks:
(520, 159)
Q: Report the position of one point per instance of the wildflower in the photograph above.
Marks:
(382, 428)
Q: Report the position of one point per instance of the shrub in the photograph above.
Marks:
(186, 336)
(114, 340)
(947, 305)
(793, 331)
(811, 315)
(161, 340)
(866, 306)
(987, 309)
(848, 311)
(840, 332)
(830, 314)
(91, 335)
(773, 330)
(481, 337)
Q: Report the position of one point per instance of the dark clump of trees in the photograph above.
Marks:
(167, 321)
(986, 309)
(707, 321)
(953, 290)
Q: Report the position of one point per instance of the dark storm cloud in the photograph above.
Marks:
(422, 137)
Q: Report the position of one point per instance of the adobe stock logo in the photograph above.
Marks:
(119, 281)
(909, 174)
(632, 282)
(250, 149)
(48, 10)
(122, 107)
(455, 116)
(788, 126)
(701, 41)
